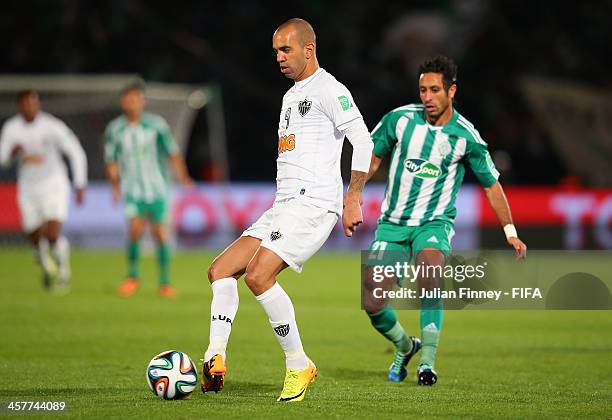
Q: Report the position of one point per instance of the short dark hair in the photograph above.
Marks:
(134, 86)
(441, 64)
(25, 92)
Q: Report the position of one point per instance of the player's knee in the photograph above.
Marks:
(135, 234)
(159, 234)
(255, 279)
(213, 272)
(252, 278)
(160, 237)
(52, 234)
(372, 306)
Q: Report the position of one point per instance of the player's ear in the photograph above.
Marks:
(310, 48)
(451, 91)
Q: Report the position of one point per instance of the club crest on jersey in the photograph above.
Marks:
(422, 168)
(304, 107)
(444, 147)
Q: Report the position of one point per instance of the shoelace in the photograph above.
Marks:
(398, 362)
(291, 384)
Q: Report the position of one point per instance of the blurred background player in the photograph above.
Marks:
(37, 140)
(138, 146)
(317, 113)
(430, 144)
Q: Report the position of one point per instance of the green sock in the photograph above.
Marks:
(163, 260)
(387, 324)
(133, 253)
(431, 324)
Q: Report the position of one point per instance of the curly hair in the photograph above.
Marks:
(443, 65)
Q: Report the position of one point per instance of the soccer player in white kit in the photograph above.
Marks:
(37, 140)
(317, 113)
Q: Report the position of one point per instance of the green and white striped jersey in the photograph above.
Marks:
(141, 150)
(427, 164)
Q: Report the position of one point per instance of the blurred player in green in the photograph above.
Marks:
(430, 145)
(138, 147)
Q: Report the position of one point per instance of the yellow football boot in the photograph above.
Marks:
(296, 382)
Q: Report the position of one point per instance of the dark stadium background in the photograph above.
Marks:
(369, 46)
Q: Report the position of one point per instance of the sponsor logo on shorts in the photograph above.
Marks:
(422, 168)
(282, 330)
(275, 236)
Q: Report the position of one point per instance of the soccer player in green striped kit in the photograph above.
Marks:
(430, 145)
(138, 148)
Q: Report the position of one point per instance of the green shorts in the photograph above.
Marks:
(411, 239)
(399, 244)
(156, 211)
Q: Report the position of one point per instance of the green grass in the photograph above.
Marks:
(91, 349)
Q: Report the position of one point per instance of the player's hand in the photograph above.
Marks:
(116, 193)
(187, 182)
(519, 246)
(351, 216)
(80, 196)
(17, 150)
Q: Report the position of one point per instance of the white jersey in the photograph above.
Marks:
(47, 137)
(311, 130)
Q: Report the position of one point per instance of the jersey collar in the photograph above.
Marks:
(302, 83)
(450, 122)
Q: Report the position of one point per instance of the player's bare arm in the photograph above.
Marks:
(80, 196)
(180, 170)
(352, 216)
(499, 203)
(26, 158)
(374, 165)
(112, 173)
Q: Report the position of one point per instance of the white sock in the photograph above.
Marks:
(223, 309)
(279, 308)
(61, 254)
(41, 253)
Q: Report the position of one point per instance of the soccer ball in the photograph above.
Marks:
(171, 375)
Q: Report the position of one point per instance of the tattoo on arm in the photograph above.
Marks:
(358, 180)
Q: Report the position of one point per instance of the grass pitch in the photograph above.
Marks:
(90, 348)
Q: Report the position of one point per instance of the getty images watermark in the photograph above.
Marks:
(487, 280)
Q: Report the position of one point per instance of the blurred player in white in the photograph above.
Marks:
(37, 140)
(317, 113)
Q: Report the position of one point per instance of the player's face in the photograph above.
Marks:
(133, 102)
(29, 106)
(433, 95)
(290, 54)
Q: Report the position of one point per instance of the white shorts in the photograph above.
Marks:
(294, 230)
(39, 208)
